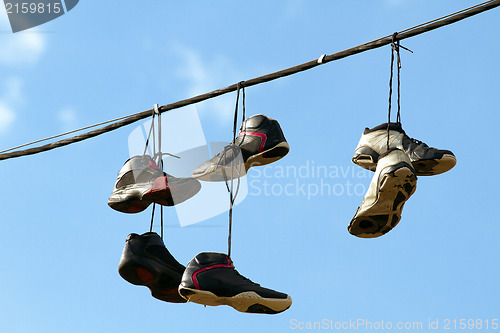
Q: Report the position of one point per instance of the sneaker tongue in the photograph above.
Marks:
(212, 258)
(153, 165)
(253, 122)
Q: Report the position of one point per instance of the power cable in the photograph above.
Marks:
(407, 33)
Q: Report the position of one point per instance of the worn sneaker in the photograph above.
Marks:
(211, 279)
(392, 185)
(426, 160)
(140, 182)
(146, 262)
(168, 190)
(260, 141)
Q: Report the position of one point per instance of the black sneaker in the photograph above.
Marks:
(210, 279)
(146, 262)
(260, 141)
(426, 160)
(392, 185)
(140, 182)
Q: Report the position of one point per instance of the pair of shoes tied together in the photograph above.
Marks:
(397, 160)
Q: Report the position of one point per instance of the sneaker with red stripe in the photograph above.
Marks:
(211, 279)
(140, 182)
(260, 141)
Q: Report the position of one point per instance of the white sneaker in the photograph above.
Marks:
(393, 183)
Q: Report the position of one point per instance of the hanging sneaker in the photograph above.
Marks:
(145, 261)
(140, 182)
(392, 185)
(426, 160)
(260, 141)
(211, 279)
(168, 190)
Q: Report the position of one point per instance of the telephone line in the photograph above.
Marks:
(407, 33)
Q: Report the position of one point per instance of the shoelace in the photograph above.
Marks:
(224, 152)
(395, 45)
(160, 155)
(418, 142)
(229, 186)
(234, 145)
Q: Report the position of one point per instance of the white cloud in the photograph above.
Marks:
(7, 117)
(294, 8)
(22, 48)
(13, 90)
(19, 49)
(68, 119)
(207, 75)
(11, 95)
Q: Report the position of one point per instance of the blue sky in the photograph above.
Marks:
(61, 243)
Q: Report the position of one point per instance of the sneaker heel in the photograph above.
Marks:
(144, 275)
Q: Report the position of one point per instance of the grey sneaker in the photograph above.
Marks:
(426, 160)
(140, 182)
(392, 185)
(260, 141)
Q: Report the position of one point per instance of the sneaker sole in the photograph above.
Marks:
(142, 271)
(128, 200)
(435, 166)
(268, 156)
(367, 158)
(249, 302)
(396, 187)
